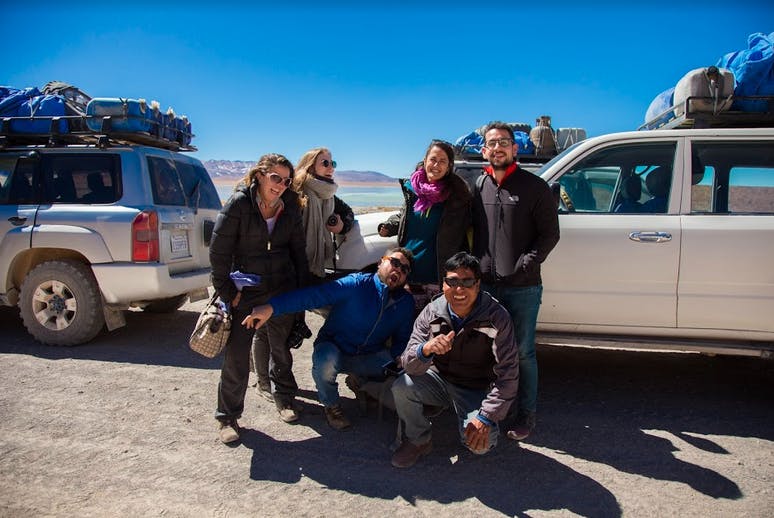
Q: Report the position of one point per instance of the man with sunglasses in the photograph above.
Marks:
(462, 354)
(367, 312)
(515, 227)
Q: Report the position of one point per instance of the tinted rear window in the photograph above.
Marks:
(182, 184)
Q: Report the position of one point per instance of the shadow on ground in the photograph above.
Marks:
(627, 410)
(167, 345)
(601, 406)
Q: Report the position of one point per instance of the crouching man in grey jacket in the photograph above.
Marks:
(462, 352)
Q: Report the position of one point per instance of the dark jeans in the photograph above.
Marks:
(275, 364)
(523, 304)
(235, 372)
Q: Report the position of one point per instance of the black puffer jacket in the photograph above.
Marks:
(453, 226)
(241, 241)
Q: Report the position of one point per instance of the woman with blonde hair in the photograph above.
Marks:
(258, 234)
(324, 213)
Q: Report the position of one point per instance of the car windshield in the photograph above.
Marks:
(558, 157)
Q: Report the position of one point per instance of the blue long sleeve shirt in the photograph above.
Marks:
(365, 317)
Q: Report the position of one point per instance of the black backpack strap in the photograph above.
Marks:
(480, 183)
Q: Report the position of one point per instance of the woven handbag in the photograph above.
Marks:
(212, 329)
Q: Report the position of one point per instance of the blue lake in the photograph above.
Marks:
(367, 196)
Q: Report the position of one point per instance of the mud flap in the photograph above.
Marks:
(199, 294)
(114, 318)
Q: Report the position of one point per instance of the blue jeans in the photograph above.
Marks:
(523, 304)
(328, 361)
(411, 393)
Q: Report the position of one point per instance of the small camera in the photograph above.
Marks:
(332, 220)
(298, 333)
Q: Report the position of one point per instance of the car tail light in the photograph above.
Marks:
(145, 237)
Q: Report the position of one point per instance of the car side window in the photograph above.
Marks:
(18, 180)
(732, 178)
(7, 165)
(620, 179)
(75, 178)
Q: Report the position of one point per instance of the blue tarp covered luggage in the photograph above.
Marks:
(472, 143)
(753, 69)
(30, 102)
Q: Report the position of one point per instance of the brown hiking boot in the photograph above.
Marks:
(408, 454)
(287, 411)
(524, 425)
(229, 431)
(336, 418)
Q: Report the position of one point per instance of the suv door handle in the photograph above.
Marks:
(17, 221)
(650, 237)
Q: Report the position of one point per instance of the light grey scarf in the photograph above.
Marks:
(319, 206)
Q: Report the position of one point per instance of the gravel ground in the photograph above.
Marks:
(123, 427)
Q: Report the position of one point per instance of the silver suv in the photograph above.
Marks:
(90, 229)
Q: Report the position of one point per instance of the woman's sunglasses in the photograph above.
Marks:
(327, 162)
(275, 178)
(395, 262)
(455, 282)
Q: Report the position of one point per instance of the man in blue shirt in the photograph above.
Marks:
(367, 311)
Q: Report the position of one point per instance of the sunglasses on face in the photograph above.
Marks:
(456, 282)
(503, 142)
(275, 178)
(395, 262)
(327, 162)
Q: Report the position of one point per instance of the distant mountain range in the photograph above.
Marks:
(228, 170)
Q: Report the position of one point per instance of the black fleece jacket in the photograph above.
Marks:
(511, 221)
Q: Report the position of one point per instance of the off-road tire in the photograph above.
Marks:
(61, 303)
(167, 305)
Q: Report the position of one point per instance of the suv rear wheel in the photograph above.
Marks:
(60, 303)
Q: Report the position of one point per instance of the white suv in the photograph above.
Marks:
(87, 230)
(667, 241)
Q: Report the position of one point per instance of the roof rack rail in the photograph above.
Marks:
(521, 157)
(78, 132)
(696, 116)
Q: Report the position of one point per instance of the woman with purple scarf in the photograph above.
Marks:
(434, 220)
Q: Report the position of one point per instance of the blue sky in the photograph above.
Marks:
(373, 81)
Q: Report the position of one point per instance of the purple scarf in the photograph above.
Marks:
(427, 193)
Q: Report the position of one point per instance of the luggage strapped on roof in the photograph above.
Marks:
(62, 114)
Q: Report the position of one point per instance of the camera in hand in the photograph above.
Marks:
(391, 369)
(332, 220)
(298, 333)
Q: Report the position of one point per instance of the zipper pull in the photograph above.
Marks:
(268, 245)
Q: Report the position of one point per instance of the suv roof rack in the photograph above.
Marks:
(82, 136)
(696, 116)
(521, 157)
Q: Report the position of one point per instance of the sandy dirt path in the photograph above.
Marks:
(123, 427)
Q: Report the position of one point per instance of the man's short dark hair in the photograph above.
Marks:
(501, 126)
(463, 260)
(406, 253)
